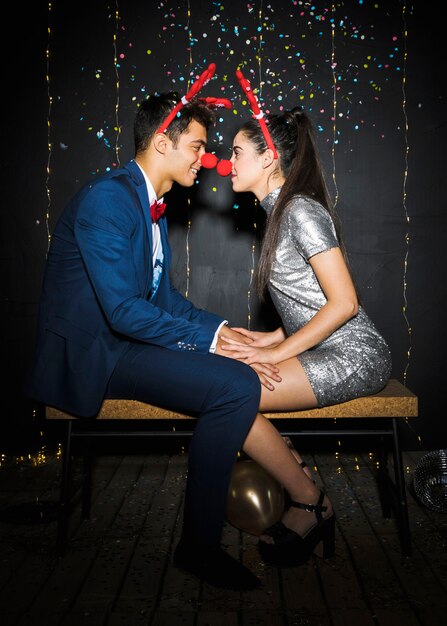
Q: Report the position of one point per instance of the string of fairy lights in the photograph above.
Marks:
(256, 203)
(333, 144)
(49, 144)
(40, 457)
(189, 224)
(405, 208)
(334, 102)
(117, 102)
(404, 193)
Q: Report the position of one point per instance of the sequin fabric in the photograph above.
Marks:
(355, 360)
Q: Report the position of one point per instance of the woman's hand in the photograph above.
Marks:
(263, 339)
(250, 354)
(266, 374)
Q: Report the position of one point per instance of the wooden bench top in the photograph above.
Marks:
(395, 400)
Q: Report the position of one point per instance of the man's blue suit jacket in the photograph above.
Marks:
(96, 295)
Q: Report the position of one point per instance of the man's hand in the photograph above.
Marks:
(230, 333)
(262, 339)
(249, 353)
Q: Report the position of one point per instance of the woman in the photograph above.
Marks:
(327, 349)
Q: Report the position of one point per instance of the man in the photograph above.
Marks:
(112, 325)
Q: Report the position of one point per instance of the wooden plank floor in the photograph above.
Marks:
(118, 569)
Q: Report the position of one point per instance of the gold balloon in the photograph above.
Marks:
(255, 499)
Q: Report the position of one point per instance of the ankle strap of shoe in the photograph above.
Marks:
(317, 508)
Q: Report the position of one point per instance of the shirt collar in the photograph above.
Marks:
(150, 190)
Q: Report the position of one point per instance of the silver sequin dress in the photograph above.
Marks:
(355, 360)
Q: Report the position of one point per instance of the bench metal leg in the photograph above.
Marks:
(383, 478)
(87, 479)
(64, 502)
(402, 506)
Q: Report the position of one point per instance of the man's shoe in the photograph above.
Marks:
(214, 566)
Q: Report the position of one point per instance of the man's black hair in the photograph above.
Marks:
(154, 110)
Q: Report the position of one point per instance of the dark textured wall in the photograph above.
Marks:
(75, 77)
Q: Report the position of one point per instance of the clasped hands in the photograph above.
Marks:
(256, 349)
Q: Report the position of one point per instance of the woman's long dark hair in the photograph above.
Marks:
(293, 135)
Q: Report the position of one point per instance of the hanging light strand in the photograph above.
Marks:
(188, 232)
(252, 270)
(404, 199)
(117, 103)
(260, 41)
(405, 208)
(188, 228)
(49, 144)
(191, 42)
(334, 127)
(334, 104)
(256, 204)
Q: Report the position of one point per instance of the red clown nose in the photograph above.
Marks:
(209, 161)
(224, 167)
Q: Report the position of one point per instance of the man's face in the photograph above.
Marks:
(184, 159)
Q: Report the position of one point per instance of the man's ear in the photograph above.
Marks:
(267, 158)
(160, 142)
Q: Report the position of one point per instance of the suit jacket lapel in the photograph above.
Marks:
(165, 242)
(141, 189)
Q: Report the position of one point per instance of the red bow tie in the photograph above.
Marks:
(157, 210)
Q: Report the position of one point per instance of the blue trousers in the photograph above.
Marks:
(224, 394)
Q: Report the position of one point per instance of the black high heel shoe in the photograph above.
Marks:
(214, 566)
(290, 549)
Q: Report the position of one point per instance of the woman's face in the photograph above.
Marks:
(248, 172)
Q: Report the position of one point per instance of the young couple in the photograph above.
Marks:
(111, 324)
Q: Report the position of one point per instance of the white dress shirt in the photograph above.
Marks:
(157, 251)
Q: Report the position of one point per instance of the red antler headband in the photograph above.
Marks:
(257, 113)
(203, 79)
